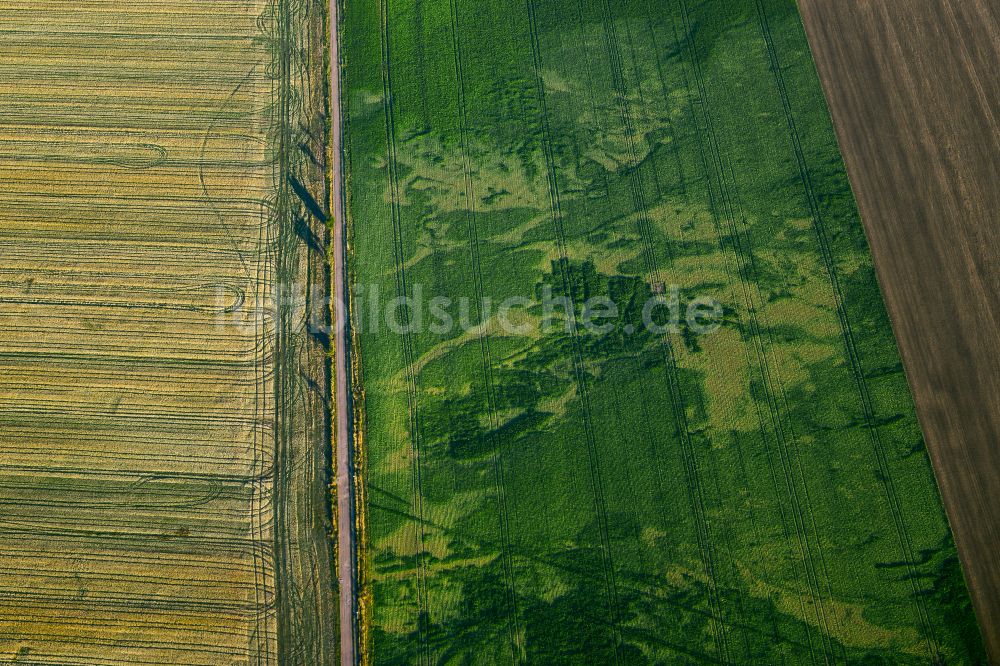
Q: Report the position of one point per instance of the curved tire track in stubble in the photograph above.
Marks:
(262, 464)
(306, 613)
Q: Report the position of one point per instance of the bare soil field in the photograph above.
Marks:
(915, 98)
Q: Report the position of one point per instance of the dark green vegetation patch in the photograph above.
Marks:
(759, 493)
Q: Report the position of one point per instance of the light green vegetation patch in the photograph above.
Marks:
(757, 494)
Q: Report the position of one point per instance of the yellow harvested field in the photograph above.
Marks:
(148, 367)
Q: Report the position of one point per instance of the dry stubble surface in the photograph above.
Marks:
(143, 376)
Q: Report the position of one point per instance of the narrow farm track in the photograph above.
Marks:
(342, 438)
(163, 404)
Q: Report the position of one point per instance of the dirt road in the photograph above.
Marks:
(342, 418)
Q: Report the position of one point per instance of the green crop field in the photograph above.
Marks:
(756, 493)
